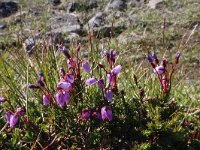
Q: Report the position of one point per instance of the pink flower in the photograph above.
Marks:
(66, 86)
(116, 70)
(46, 100)
(85, 115)
(109, 95)
(91, 81)
(106, 113)
(159, 70)
(86, 66)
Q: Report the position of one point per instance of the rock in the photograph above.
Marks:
(134, 3)
(8, 8)
(116, 5)
(2, 26)
(155, 4)
(96, 21)
(64, 23)
(55, 2)
(29, 44)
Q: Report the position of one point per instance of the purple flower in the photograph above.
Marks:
(86, 66)
(13, 120)
(8, 114)
(46, 100)
(116, 70)
(106, 113)
(159, 70)
(109, 95)
(69, 78)
(110, 78)
(66, 86)
(2, 99)
(66, 97)
(63, 98)
(90, 81)
(85, 115)
(101, 84)
(60, 99)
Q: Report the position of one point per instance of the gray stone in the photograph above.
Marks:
(2, 26)
(64, 23)
(96, 21)
(116, 5)
(155, 4)
(29, 44)
(8, 8)
(135, 3)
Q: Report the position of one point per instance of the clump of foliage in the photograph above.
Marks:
(56, 99)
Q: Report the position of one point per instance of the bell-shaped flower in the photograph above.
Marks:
(66, 86)
(90, 81)
(63, 98)
(109, 95)
(46, 99)
(66, 97)
(159, 70)
(86, 66)
(60, 99)
(106, 113)
(116, 70)
(101, 84)
(85, 115)
(13, 120)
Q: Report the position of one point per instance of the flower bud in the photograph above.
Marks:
(90, 81)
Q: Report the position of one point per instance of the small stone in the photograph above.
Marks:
(97, 20)
(29, 44)
(155, 4)
(2, 26)
(8, 8)
(116, 5)
(64, 23)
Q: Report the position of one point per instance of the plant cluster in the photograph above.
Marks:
(83, 105)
